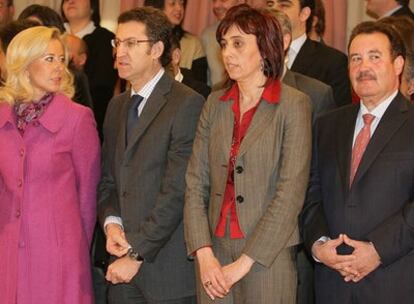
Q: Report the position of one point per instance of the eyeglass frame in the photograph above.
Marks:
(116, 41)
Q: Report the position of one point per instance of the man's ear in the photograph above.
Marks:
(305, 14)
(411, 87)
(157, 50)
(176, 56)
(287, 39)
(399, 65)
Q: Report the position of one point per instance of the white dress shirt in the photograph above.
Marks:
(294, 49)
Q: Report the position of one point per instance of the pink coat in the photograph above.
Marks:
(48, 181)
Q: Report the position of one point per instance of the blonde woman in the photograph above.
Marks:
(49, 169)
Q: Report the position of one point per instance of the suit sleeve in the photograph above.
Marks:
(108, 204)
(167, 214)
(196, 224)
(279, 221)
(86, 160)
(312, 222)
(394, 238)
(326, 103)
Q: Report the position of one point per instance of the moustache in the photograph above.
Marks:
(365, 76)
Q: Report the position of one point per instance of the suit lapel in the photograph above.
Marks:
(304, 57)
(260, 122)
(154, 104)
(394, 117)
(121, 138)
(344, 138)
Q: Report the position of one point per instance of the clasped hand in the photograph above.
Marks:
(216, 279)
(123, 269)
(353, 267)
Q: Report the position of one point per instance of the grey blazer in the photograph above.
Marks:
(271, 175)
(143, 183)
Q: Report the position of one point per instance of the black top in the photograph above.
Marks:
(100, 70)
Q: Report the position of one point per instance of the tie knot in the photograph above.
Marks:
(368, 118)
(136, 100)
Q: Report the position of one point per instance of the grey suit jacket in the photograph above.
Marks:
(320, 94)
(272, 170)
(143, 183)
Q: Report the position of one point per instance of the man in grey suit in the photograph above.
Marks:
(148, 134)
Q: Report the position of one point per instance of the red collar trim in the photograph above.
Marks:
(271, 92)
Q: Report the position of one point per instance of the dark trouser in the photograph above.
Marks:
(131, 294)
(304, 264)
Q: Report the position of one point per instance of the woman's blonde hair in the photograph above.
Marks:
(24, 49)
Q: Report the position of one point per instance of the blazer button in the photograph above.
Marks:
(124, 194)
(239, 169)
(240, 199)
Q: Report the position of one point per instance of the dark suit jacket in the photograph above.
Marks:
(192, 82)
(143, 183)
(377, 208)
(404, 11)
(326, 64)
(320, 94)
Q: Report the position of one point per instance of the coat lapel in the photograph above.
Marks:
(394, 117)
(304, 57)
(260, 122)
(344, 138)
(154, 104)
(121, 137)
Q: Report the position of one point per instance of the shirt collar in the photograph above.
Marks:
(271, 92)
(297, 44)
(379, 110)
(85, 31)
(179, 77)
(389, 13)
(147, 89)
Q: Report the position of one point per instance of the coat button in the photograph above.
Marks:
(239, 169)
(18, 213)
(240, 199)
(21, 152)
(21, 244)
(124, 194)
(19, 183)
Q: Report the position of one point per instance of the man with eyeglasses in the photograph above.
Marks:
(148, 135)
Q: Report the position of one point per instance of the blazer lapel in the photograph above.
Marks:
(154, 104)
(394, 117)
(121, 138)
(260, 122)
(344, 138)
(304, 57)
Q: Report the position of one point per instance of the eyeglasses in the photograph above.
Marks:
(129, 43)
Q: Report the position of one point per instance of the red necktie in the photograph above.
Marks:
(360, 145)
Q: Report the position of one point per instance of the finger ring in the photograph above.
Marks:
(207, 283)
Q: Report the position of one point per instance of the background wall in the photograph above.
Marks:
(341, 15)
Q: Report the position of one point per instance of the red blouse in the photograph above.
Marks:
(271, 94)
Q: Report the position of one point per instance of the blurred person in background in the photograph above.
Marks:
(192, 53)
(82, 18)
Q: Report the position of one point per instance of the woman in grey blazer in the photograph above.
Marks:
(247, 176)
